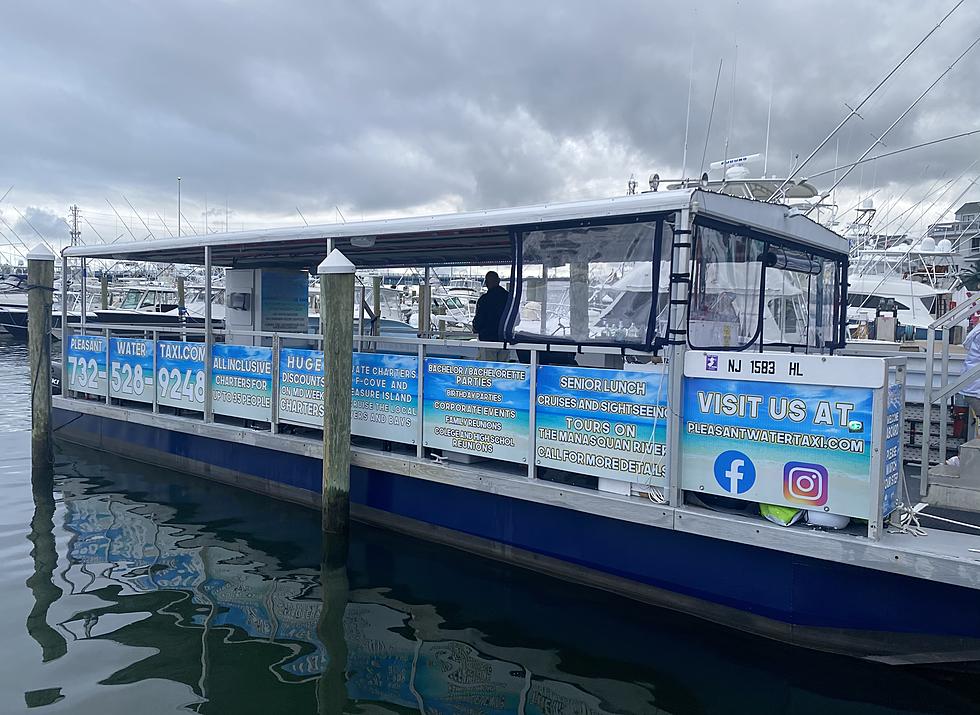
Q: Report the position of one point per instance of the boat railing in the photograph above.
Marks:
(210, 376)
(939, 386)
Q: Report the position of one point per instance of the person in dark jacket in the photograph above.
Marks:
(489, 316)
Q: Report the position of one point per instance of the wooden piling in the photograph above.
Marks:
(40, 279)
(104, 284)
(578, 293)
(376, 306)
(337, 325)
(180, 294)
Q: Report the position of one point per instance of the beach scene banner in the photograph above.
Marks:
(86, 364)
(131, 369)
(607, 423)
(180, 375)
(385, 397)
(798, 445)
(301, 387)
(241, 381)
(477, 408)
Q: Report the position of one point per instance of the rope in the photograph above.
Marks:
(950, 521)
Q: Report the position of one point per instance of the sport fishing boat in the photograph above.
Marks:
(710, 451)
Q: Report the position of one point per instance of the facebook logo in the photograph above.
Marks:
(711, 363)
(734, 472)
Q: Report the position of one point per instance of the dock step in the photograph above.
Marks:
(958, 487)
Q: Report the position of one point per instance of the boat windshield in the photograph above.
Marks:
(747, 288)
(132, 299)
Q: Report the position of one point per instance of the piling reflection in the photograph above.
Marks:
(45, 556)
(334, 595)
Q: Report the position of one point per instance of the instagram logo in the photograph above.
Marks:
(805, 483)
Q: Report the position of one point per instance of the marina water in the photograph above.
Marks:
(127, 588)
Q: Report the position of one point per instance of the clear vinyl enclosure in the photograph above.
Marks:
(748, 289)
(593, 284)
(609, 284)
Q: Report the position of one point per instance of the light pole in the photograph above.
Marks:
(178, 207)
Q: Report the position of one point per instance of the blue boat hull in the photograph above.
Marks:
(807, 601)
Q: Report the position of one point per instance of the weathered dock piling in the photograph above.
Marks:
(104, 285)
(40, 294)
(336, 322)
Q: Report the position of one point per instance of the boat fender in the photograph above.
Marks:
(782, 515)
(825, 520)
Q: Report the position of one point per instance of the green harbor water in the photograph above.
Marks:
(130, 589)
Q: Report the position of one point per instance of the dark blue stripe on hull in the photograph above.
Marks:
(774, 584)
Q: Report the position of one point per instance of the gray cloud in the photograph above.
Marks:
(381, 107)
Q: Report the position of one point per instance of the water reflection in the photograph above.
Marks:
(45, 556)
(299, 625)
(236, 600)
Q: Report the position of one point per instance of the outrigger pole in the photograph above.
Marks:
(864, 101)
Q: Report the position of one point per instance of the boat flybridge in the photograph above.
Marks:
(664, 412)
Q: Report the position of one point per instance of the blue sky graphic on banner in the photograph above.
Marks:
(893, 451)
(131, 369)
(808, 446)
(385, 397)
(301, 387)
(479, 408)
(608, 423)
(241, 381)
(180, 375)
(87, 364)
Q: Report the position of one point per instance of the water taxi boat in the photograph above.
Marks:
(715, 456)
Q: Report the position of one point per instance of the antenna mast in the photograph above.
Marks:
(687, 122)
(75, 232)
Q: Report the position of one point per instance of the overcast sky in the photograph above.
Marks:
(386, 108)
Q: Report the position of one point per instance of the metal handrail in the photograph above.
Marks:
(99, 328)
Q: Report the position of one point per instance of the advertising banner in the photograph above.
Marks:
(285, 301)
(797, 445)
(180, 375)
(893, 451)
(86, 364)
(241, 382)
(608, 423)
(301, 387)
(385, 397)
(131, 369)
(478, 408)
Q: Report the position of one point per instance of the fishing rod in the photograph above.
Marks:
(891, 153)
(901, 117)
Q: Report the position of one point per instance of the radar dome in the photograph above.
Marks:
(736, 173)
(927, 245)
(945, 246)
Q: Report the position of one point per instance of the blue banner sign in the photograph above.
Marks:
(893, 450)
(797, 445)
(131, 369)
(477, 408)
(87, 364)
(384, 393)
(608, 423)
(180, 375)
(301, 387)
(241, 382)
(385, 397)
